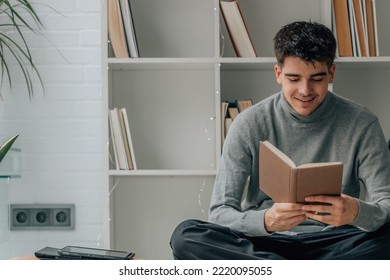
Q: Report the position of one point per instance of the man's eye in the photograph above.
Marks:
(318, 80)
(293, 80)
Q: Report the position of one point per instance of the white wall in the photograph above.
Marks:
(60, 131)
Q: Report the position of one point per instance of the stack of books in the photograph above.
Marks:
(121, 140)
(121, 31)
(229, 111)
(355, 27)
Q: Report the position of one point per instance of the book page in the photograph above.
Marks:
(319, 164)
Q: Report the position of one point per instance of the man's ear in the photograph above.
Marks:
(332, 70)
(278, 73)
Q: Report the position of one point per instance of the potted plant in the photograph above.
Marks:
(17, 16)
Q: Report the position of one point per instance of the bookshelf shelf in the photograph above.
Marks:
(258, 63)
(363, 62)
(160, 63)
(173, 91)
(160, 172)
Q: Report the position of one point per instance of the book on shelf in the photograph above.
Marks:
(128, 139)
(6, 146)
(119, 145)
(352, 26)
(237, 28)
(228, 122)
(112, 139)
(342, 27)
(243, 104)
(123, 128)
(122, 142)
(224, 113)
(116, 32)
(355, 27)
(361, 33)
(229, 111)
(372, 33)
(233, 112)
(128, 24)
(281, 180)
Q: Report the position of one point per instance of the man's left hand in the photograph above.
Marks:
(332, 210)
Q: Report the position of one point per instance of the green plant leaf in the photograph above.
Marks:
(6, 146)
(17, 20)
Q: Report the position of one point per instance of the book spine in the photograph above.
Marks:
(129, 138)
(357, 5)
(352, 26)
(125, 138)
(112, 139)
(224, 116)
(118, 140)
(129, 29)
(343, 31)
(370, 17)
(116, 31)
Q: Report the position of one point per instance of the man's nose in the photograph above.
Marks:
(305, 87)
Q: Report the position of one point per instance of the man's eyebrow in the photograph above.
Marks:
(297, 75)
(319, 74)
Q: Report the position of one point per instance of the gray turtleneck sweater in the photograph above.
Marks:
(339, 130)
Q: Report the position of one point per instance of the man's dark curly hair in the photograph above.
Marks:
(309, 41)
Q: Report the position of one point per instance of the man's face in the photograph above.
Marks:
(304, 84)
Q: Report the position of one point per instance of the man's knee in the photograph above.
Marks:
(182, 238)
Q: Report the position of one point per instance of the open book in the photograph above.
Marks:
(281, 180)
(6, 146)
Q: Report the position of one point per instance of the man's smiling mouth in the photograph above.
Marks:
(305, 99)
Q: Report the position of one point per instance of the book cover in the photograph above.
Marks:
(360, 28)
(243, 104)
(371, 27)
(353, 27)
(343, 30)
(7, 146)
(129, 139)
(118, 139)
(233, 112)
(128, 24)
(116, 31)
(228, 123)
(281, 180)
(122, 122)
(224, 115)
(112, 140)
(237, 28)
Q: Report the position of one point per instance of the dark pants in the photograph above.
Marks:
(199, 240)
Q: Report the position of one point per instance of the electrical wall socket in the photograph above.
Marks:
(42, 216)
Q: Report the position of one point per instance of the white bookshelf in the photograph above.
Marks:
(173, 92)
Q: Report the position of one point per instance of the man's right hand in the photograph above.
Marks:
(284, 216)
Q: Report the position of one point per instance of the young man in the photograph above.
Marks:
(309, 124)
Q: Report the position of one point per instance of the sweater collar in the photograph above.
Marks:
(321, 112)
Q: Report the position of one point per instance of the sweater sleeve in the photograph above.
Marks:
(373, 165)
(233, 176)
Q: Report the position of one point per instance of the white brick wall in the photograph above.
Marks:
(60, 131)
